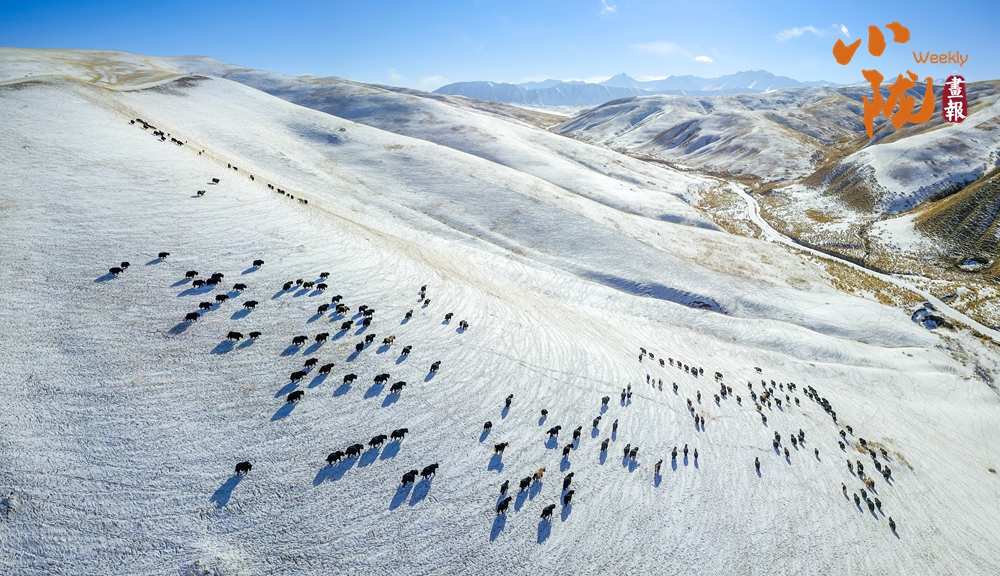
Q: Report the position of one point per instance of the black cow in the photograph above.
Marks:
(499, 448)
(567, 480)
(250, 304)
(325, 368)
(406, 350)
(324, 275)
(381, 378)
(346, 325)
(488, 425)
(334, 457)
(163, 255)
(604, 445)
(321, 286)
(435, 366)
(336, 299)
(377, 441)
(547, 511)
(287, 286)
(308, 285)
(502, 506)
(366, 322)
(350, 378)
(354, 450)
(234, 336)
(198, 283)
(447, 317)
(368, 313)
(399, 433)
(370, 338)
(409, 315)
(243, 467)
(114, 271)
(213, 281)
(362, 308)
(200, 192)
(397, 387)
(190, 273)
(568, 497)
(311, 362)
(192, 317)
(258, 263)
(205, 306)
(525, 482)
(429, 471)
(254, 335)
(576, 433)
(220, 298)
(554, 431)
(239, 287)
(299, 340)
(507, 401)
(297, 375)
(567, 449)
(359, 346)
(322, 336)
(409, 477)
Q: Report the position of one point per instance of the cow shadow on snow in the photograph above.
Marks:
(368, 457)
(498, 526)
(544, 530)
(179, 328)
(334, 472)
(224, 492)
(224, 347)
(106, 278)
(400, 496)
(240, 314)
(374, 390)
(290, 351)
(286, 389)
(342, 389)
(390, 451)
(496, 463)
(284, 411)
(420, 491)
(317, 381)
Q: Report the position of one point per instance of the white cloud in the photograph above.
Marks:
(433, 82)
(664, 48)
(795, 32)
(844, 30)
(661, 48)
(608, 9)
(394, 76)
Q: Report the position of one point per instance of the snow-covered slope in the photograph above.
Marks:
(781, 134)
(123, 423)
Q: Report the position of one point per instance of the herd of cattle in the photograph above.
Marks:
(769, 392)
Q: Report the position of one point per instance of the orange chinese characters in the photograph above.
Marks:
(897, 97)
(877, 105)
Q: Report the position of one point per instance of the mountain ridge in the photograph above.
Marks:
(552, 92)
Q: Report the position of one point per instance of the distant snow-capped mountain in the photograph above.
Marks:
(557, 93)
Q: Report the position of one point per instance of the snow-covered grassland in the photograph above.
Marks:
(122, 423)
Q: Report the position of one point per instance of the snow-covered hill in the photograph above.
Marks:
(123, 423)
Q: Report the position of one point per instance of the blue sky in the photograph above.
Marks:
(427, 44)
